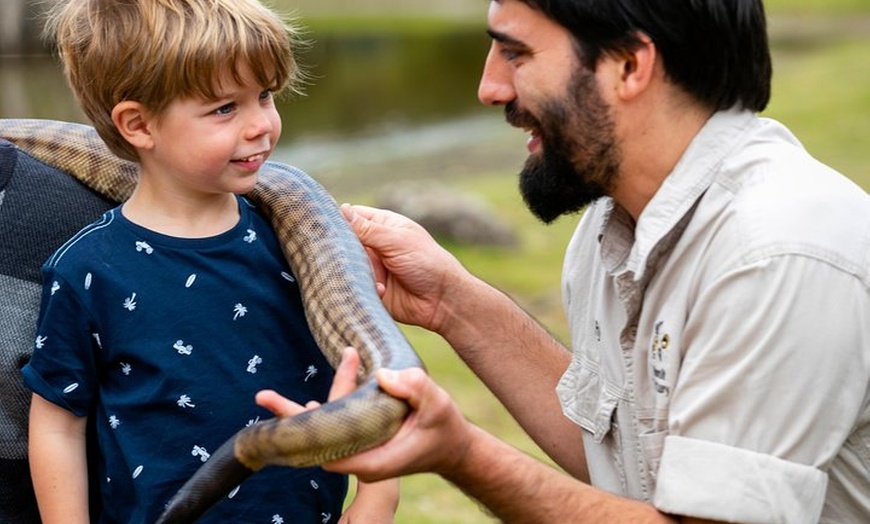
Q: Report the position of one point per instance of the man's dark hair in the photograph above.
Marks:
(716, 50)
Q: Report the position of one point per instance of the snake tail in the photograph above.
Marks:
(288, 441)
(200, 492)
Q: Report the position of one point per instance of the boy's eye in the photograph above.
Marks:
(266, 94)
(225, 109)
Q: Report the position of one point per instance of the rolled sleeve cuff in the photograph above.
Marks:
(714, 481)
(37, 384)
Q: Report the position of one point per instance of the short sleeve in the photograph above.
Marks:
(62, 369)
(772, 382)
(709, 480)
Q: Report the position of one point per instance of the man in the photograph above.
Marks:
(716, 287)
(40, 207)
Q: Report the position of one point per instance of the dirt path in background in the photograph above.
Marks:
(817, 29)
(446, 151)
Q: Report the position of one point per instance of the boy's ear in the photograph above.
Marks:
(133, 122)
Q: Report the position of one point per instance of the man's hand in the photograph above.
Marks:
(374, 503)
(433, 438)
(415, 276)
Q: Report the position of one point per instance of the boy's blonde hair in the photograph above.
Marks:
(154, 51)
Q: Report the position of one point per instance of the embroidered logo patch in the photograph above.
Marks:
(658, 356)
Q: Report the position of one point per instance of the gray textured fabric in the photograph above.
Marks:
(40, 207)
(18, 309)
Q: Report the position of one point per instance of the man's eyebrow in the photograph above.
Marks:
(504, 38)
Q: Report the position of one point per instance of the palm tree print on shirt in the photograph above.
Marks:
(185, 402)
(130, 302)
(239, 311)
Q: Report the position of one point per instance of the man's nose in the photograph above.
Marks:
(495, 87)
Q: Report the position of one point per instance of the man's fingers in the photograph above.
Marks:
(407, 384)
(352, 211)
(362, 225)
(344, 382)
(410, 449)
(278, 404)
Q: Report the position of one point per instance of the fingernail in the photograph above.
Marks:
(347, 211)
(388, 374)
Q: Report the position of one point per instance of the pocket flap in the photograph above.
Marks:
(586, 400)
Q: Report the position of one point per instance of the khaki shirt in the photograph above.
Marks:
(721, 346)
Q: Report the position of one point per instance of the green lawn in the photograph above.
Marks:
(825, 7)
(823, 94)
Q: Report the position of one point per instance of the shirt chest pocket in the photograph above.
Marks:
(587, 399)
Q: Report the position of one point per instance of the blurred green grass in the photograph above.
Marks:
(823, 94)
(825, 7)
(821, 91)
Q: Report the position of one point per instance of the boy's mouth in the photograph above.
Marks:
(251, 162)
(259, 157)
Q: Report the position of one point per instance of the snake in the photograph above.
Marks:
(340, 300)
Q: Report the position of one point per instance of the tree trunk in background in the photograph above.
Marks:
(11, 26)
(21, 24)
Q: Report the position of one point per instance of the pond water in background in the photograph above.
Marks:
(378, 107)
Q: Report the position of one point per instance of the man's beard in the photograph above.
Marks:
(579, 160)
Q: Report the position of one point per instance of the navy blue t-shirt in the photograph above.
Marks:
(164, 341)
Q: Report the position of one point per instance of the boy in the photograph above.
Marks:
(161, 316)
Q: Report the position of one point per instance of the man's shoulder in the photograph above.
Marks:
(782, 201)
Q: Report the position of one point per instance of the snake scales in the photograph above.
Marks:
(341, 305)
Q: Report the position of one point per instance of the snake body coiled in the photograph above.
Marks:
(341, 304)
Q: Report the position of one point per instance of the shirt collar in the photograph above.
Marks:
(626, 245)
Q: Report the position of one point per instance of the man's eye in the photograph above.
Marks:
(510, 54)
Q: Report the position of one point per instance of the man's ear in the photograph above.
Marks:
(638, 68)
(133, 121)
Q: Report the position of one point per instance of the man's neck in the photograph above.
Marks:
(653, 145)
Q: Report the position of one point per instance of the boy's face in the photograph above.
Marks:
(216, 146)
